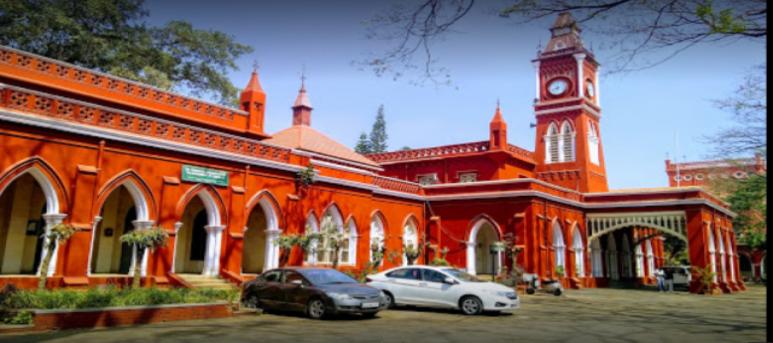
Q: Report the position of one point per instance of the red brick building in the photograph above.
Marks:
(108, 155)
(701, 173)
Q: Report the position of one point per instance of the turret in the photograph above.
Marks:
(253, 101)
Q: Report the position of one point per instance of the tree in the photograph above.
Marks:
(749, 108)
(334, 239)
(639, 32)
(363, 145)
(110, 36)
(749, 201)
(58, 234)
(378, 135)
(141, 240)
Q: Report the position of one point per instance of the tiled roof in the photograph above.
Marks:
(303, 137)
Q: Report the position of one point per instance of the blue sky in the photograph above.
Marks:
(489, 58)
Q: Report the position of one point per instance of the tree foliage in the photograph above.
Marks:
(378, 135)
(59, 233)
(749, 201)
(144, 239)
(748, 107)
(363, 144)
(111, 37)
(639, 34)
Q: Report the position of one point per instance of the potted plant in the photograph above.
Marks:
(560, 271)
(59, 233)
(285, 242)
(412, 253)
(706, 278)
(150, 238)
(440, 258)
(377, 251)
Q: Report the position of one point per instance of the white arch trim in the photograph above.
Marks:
(471, 242)
(271, 250)
(313, 226)
(579, 252)
(672, 222)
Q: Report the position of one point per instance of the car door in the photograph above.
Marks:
(435, 292)
(404, 285)
(295, 295)
(269, 292)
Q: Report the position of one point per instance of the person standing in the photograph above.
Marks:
(659, 276)
(669, 279)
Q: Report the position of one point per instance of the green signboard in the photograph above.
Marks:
(205, 175)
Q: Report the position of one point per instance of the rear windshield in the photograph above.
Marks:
(326, 276)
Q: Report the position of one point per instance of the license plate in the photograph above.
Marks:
(369, 305)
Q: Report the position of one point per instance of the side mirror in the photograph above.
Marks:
(449, 281)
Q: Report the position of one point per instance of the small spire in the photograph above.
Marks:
(254, 84)
(302, 100)
(303, 79)
(255, 66)
(497, 114)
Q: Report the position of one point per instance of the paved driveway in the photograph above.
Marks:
(589, 315)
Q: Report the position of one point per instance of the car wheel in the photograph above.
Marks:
(251, 301)
(530, 291)
(316, 309)
(557, 292)
(471, 305)
(390, 300)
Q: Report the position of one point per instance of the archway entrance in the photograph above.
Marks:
(192, 239)
(22, 206)
(255, 243)
(109, 255)
(479, 258)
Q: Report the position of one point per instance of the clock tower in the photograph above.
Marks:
(568, 141)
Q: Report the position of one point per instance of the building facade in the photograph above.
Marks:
(108, 155)
(702, 173)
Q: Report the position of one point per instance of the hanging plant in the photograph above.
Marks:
(285, 242)
(377, 251)
(151, 239)
(411, 252)
(59, 233)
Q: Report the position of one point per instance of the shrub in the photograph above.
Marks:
(19, 318)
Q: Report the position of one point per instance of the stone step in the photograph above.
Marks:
(206, 281)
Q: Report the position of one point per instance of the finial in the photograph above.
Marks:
(497, 103)
(255, 66)
(303, 78)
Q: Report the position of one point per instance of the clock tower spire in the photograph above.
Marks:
(568, 142)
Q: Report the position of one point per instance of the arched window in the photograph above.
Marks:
(639, 260)
(410, 237)
(558, 246)
(567, 142)
(551, 144)
(349, 249)
(312, 227)
(579, 253)
(712, 254)
(593, 143)
(597, 262)
(376, 235)
(650, 259)
(722, 257)
(731, 254)
(331, 220)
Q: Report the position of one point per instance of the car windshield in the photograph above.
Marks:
(326, 276)
(461, 275)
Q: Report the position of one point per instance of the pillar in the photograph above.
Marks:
(212, 250)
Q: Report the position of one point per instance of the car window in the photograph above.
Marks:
(430, 275)
(461, 275)
(291, 276)
(406, 273)
(326, 276)
(272, 276)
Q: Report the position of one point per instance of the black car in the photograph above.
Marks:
(316, 291)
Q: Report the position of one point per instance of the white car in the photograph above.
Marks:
(445, 287)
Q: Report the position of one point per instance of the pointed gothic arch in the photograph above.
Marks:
(203, 230)
(552, 142)
(137, 188)
(377, 231)
(262, 227)
(410, 234)
(567, 142)
(483, 231)
(36, 171)
(559, 245)
(579, 251)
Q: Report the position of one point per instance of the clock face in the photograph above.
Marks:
(557, 87)
(589, 87)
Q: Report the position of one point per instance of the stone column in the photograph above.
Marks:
(471, 257)
(212, 252)
(580, 81)
(140, 225)
(52, 219)
(177, 227)
(271, 255)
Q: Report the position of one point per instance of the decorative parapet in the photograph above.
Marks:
(97, 82)
(71, 110)
(396, 184)
(521, 152)
(448, 150)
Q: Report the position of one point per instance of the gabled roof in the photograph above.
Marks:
(306, 138)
